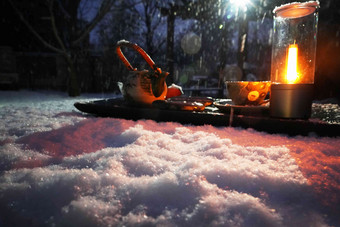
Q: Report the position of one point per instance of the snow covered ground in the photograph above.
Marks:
(59, 167)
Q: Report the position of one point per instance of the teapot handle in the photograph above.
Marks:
(135, 47)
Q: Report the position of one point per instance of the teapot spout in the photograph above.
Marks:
(158, 84)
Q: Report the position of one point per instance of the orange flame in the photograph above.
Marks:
(292, 72)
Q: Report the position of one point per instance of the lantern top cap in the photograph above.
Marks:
(296, 9)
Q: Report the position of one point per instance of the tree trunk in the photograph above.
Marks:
(170, 44)
(242, 41)
(73, 86)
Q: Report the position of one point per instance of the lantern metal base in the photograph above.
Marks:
(291, 100)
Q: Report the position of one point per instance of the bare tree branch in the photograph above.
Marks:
(35, 33)
(54, 28)
(62, 9)
(104, 8)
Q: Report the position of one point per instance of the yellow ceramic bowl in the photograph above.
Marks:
(248, 92)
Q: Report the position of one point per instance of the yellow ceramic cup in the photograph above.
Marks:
(248, 92)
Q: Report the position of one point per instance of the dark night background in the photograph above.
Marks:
(66, 58)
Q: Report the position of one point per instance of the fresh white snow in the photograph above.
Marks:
(59, 167)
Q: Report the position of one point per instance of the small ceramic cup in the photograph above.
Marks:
(248, 92)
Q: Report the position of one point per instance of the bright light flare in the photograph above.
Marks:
(292, 71)
(240, 3)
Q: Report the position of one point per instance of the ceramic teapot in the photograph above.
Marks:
(141, 87)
